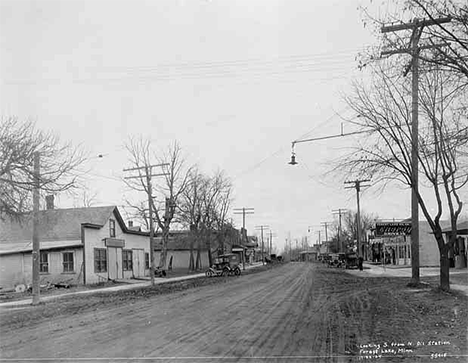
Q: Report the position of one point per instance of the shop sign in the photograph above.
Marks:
(392, 228)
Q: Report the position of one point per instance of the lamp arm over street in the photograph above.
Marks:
(293, 154)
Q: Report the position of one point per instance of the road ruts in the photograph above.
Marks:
(292, 313)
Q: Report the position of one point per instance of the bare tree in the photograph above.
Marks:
(217, 204)
(204, 207)
(190, 211)
(139, 212)
(385, 155)
(59, 164)
(350, 225)
(165, 195)
(85, 198)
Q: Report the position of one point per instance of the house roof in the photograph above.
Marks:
(54, 224)
(11, 248)
(57, 225)
(179, 240)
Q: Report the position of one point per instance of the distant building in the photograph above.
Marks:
(308, 256)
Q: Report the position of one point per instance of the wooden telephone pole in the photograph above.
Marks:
(357, 186)
(243, 211)
(36, 252)
(326, 224)
(340, 212)
(261, 228)
(416, 26)
(146, 177)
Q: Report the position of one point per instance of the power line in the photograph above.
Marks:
(177, 77)
(217, 69)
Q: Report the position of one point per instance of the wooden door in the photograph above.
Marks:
(114, 262)
(138, 262)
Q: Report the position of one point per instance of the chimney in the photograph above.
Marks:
(49, 202)
(130, 223)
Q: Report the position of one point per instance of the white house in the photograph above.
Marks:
(78, 245)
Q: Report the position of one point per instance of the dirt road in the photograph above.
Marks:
(296, 312)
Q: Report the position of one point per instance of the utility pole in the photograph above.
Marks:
(271, 240)
(340, 212)
(326, 224)
(149, 189)
(262, 227)
(357, 186)
(36, 253)
(243, 211)
(416, 26)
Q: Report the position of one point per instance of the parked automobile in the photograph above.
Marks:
(351, 260)
(224, 265)
(334, 260)
(324, 257)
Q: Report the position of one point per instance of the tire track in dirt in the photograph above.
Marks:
(296, 312)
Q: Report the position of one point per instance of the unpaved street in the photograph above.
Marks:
(296, 312)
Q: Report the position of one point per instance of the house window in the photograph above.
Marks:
(68, 264)
(111, 227)
(100, 260)
(44, 262)
(127, 260)
(147, 260)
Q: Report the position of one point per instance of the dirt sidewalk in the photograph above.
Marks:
(125, 285)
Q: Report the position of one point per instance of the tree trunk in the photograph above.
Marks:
(191, 259)
(210, 257)
(198, 260)
(444, 269)
(444, 259)
(163, 256)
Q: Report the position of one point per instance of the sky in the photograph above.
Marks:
(234, 82)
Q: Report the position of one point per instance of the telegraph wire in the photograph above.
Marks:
(302, 62)
(247, 61)
(177, 77)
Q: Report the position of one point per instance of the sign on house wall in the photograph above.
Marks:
(114, 242)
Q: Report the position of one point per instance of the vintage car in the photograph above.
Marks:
(224, 265)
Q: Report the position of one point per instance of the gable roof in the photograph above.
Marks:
(59, 225)
(54, 224)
